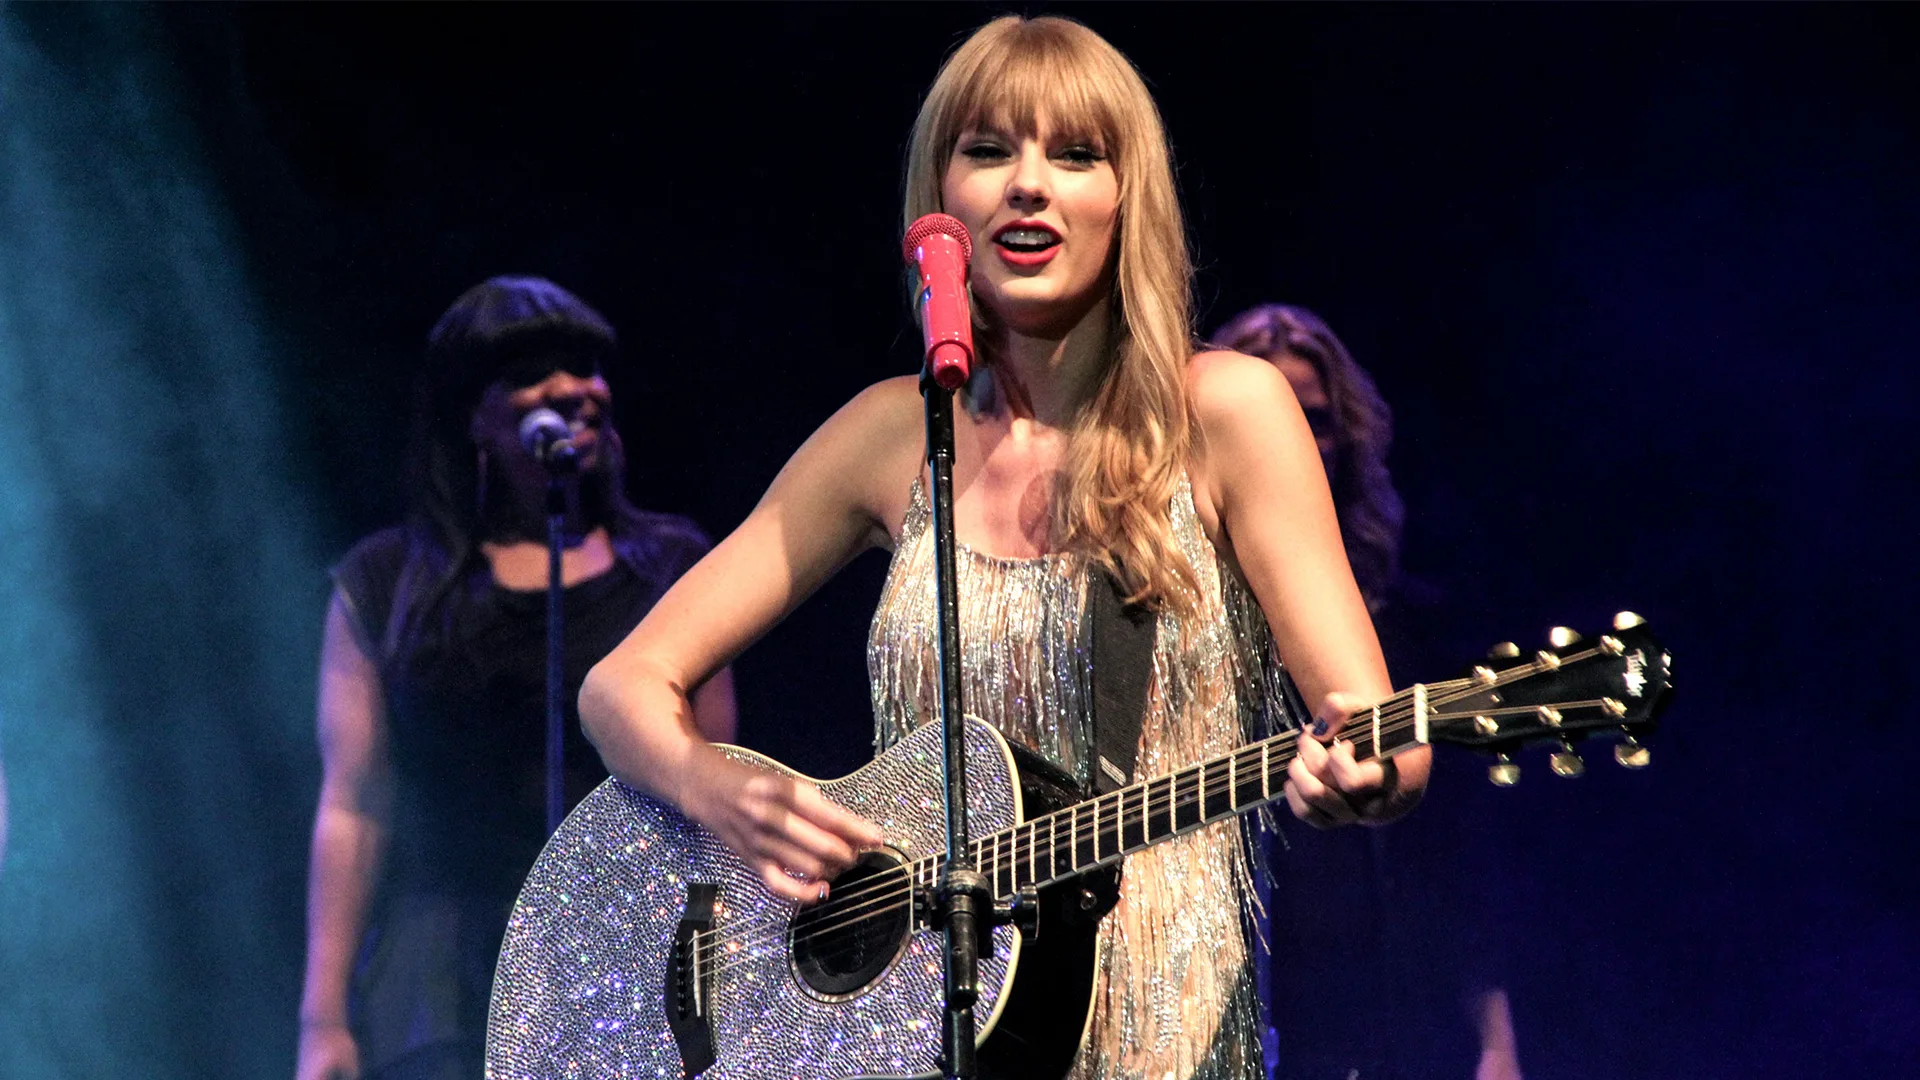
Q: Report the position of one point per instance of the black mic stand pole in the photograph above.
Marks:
(965, 902)
(556, 656)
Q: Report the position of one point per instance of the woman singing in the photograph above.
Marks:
(433, 685)
(1090, 435)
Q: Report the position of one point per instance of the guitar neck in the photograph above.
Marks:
(1617, 681)
(1105, 829)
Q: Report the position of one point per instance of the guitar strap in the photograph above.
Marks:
(1122, 655)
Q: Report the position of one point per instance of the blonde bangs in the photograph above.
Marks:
(1036, 78)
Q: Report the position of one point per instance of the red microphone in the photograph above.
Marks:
(939, 247)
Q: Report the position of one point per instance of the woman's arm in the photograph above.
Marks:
(715, 711)
(1260, 479)
(349, 839)
(828, 504)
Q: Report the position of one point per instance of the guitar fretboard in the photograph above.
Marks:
(1107, 828)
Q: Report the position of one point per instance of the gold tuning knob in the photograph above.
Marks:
(1630, 752)
(1627, 620)
(1566, 763)
(1506, 650)
(1503, 772)
(1562, 636)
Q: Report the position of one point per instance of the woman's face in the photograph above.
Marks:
(581, 399)
(1042, 212)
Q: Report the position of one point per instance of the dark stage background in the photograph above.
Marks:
(1639, 282)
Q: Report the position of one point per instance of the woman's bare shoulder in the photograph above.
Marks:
(870, 451)
(1244, 417)
(1226, 387)
(889, 407)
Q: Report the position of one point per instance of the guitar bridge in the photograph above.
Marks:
(690, 980)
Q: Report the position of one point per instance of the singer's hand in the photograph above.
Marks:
(1326, 787)
(780, 825)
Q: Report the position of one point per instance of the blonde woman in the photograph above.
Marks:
(1091, 434)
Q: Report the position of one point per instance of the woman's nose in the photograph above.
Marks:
(1027, 189)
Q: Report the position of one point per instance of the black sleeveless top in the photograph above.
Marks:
(467, 736)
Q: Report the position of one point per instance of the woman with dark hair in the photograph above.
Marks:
(432, 684)
(1091, 435)
(1382, 990)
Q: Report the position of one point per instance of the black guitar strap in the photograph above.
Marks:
(1122, 646)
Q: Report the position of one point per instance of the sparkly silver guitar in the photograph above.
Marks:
(641, 947)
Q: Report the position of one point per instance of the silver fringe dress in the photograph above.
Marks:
(1174, 999)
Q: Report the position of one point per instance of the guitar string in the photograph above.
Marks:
(1119, 809)
(1001, 850)
(1393, 718)
(1156, 803)
(1398, 708)
(1000, 858)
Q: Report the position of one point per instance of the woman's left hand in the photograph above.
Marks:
(1326, 786)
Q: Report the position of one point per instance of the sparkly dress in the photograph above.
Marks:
(1174, 999)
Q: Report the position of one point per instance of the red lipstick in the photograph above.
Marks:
(1027, 243)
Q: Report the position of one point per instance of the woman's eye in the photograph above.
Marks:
(1084, 157)
(984, 152)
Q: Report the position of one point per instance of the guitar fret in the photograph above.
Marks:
(1233, 781)
(1266, 771)
(1010, 857)
(1146, 817)
(1211, 804)
(1008, 848)
(1053, 848)
(1125, 832)
(1052, 851)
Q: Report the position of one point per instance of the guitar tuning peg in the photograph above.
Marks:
(1627, 620)
(1566, 763)
(1562, 636)
(1506, 650)
(1630, 752)
(1503, 772)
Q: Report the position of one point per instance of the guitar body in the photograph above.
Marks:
(599, 942)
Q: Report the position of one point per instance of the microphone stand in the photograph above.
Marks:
(556, 656)
(964, 902)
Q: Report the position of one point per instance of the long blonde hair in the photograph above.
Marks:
(1128, 447)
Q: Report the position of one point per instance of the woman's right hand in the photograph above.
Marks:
(779, 825)
(327, 1052)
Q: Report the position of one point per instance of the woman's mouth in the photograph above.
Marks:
(1026, 244)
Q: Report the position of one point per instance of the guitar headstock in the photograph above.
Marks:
(1611, 685)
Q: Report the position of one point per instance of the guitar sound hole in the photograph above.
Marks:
(840, 946)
